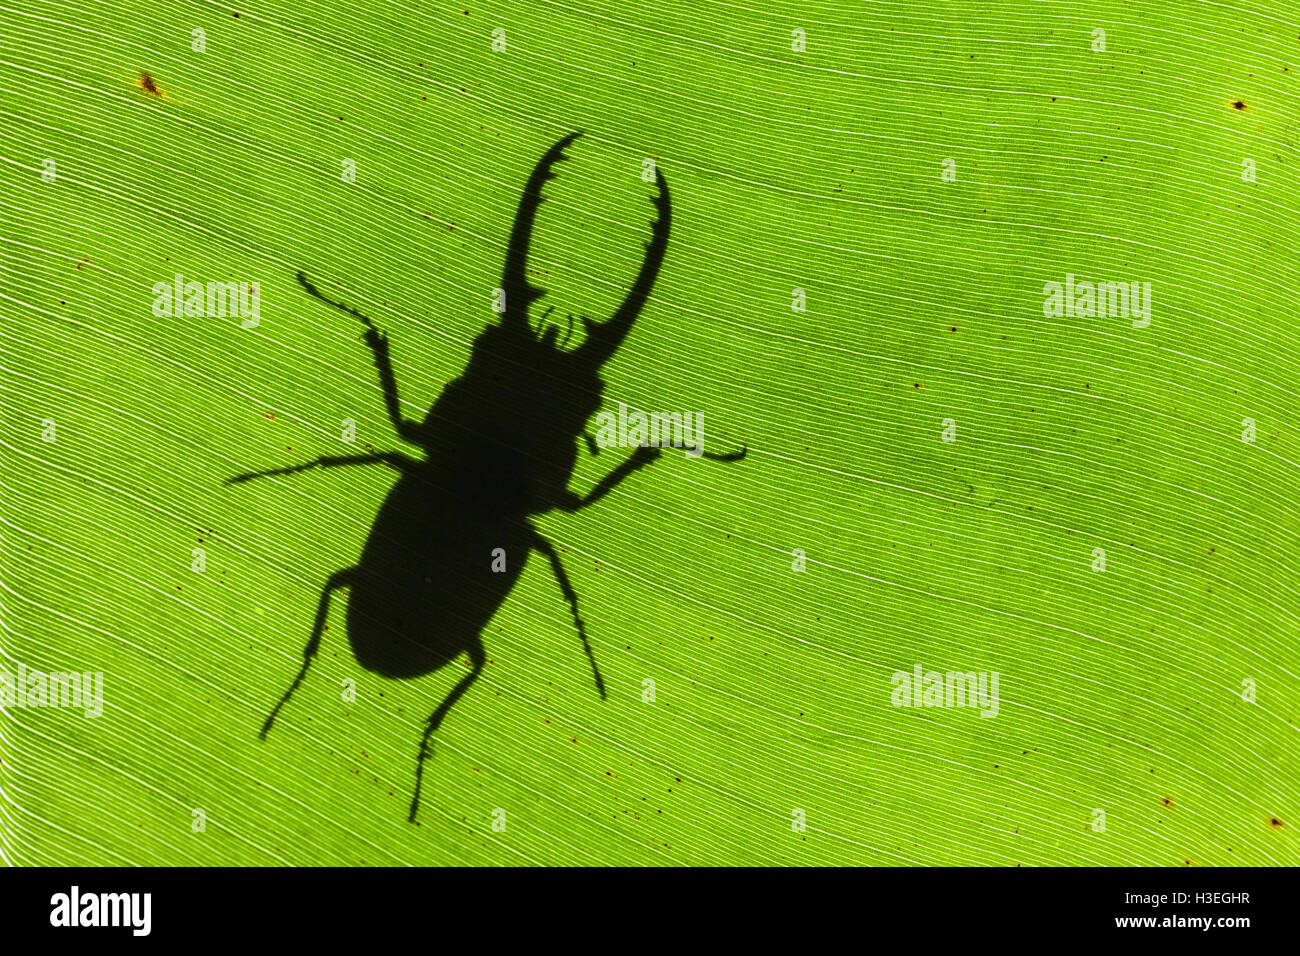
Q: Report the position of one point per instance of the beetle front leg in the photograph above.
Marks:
(570, 501)
(378, 343)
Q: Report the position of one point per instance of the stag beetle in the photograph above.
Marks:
(500, 444)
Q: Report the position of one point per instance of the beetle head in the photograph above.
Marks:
(602, 338)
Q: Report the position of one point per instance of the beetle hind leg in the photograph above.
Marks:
(477, 658)
(337, 580)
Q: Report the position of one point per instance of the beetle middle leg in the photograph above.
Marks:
(644, 455)
(477, 658)
(394, 458)
(570, 501)
(337, 580)
(570, 595)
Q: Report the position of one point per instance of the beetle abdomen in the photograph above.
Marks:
(431, 576)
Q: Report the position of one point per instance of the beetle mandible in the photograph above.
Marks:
(500, 445)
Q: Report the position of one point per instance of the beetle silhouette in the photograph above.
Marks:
(500, 444)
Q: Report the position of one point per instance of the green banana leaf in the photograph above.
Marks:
(877, 214)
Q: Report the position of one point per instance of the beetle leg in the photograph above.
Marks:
(394, 458)
(337, 580)
(638, 459)
(477, 658)
(378, 343)
(570, 595)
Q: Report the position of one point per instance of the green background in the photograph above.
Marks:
(818, 170)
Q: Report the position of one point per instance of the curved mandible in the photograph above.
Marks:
(519, 292)
(604, 338)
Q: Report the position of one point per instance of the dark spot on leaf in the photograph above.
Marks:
(1238, 105)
